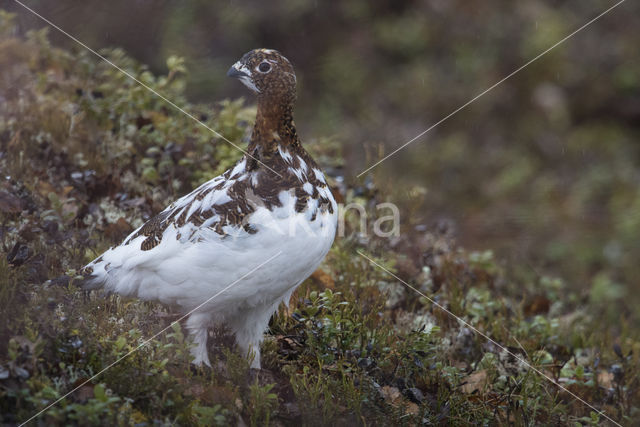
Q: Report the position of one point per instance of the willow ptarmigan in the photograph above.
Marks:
(274, 205)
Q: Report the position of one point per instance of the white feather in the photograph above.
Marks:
(184, 272)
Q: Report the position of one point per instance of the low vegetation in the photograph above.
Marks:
(86, 154)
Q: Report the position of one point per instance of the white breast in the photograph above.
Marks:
(186, 273)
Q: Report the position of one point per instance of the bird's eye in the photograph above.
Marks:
(264, 67)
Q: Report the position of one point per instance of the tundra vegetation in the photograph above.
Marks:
(87, 154)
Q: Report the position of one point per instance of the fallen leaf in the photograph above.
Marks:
(412, 408)
(337, 194)
(390, 394)
(118, 229)
(84, 393)
(538, 305)
(157, 117)
(196, 390)
(406, 268)
(25, 343)
(323, 279)
(66, 190)
(605, 379)
(44, 188)
(474, 382)
(461, 365)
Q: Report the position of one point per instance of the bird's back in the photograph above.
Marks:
(218, 232)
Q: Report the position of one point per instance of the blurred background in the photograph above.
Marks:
(544, 169)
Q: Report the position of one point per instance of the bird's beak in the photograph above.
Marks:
(242, 73)
(238, 70)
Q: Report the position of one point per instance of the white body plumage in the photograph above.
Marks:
(236, 247)
(192, 263)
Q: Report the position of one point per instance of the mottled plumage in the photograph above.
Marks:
(274, 202)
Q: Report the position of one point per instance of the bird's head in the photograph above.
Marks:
(267, 73)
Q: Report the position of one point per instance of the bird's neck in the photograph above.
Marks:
(274, 127)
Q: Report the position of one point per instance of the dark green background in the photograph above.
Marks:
(543, 169)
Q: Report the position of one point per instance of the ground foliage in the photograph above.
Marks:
(86, 155)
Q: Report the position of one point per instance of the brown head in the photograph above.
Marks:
(271, 77)
(267, 73)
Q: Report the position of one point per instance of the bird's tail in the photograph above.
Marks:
(85, 280)
(88, 280)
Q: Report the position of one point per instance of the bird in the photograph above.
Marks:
(235, 248)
